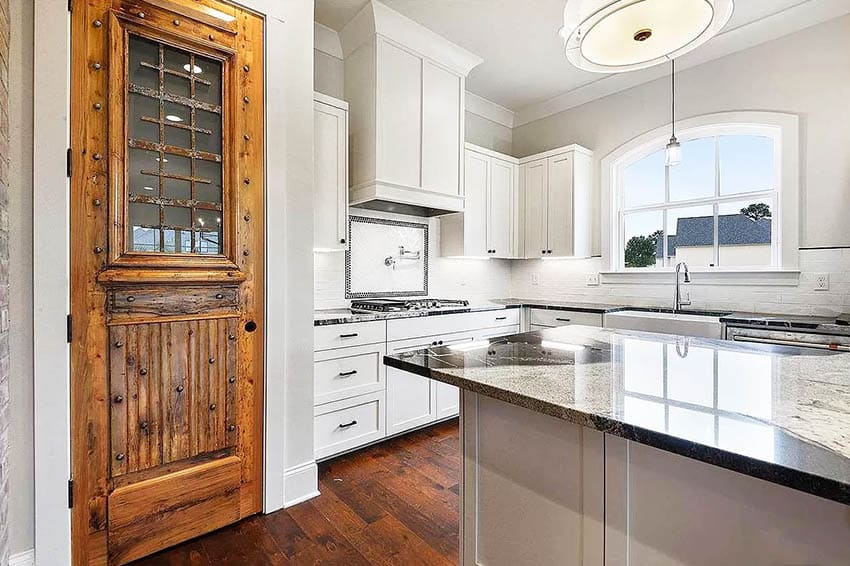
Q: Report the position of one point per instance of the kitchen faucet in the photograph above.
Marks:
(678, 303)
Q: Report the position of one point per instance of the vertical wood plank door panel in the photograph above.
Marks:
(167, 281)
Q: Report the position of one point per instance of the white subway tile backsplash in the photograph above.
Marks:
(565, 280)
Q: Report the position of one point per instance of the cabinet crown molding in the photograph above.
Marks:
(376, 19)
(557, 151)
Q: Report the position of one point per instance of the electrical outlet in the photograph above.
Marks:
(535, 279)
(591, 279)
(822, 282)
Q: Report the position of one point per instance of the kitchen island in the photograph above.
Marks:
(591, 446)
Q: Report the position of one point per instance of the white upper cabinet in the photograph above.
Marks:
(487, 227)
(330, 167)
(405, 85)
(555, 188)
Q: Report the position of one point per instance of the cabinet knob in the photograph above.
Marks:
(119, 398)
(219, 295)
(342, 240)
(131, 299)
(119, 456)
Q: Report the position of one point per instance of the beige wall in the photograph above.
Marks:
(328, 74)
(485, 133)
(21, 506)
(806, 73)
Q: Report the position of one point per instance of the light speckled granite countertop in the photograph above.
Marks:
(777, 413)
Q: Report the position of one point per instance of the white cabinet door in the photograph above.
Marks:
(560, 205)
(400, 125)
(500, 209)
(535, 178)
(476, 173)
(448, 401)
(412, 399)
(441, 134)
(330, 183)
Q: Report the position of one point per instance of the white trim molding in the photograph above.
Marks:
(765, 278)
(489, 110)
(25, 558)
(302, 483)
(783, 128)
(804, 14)
(326, 40)
(377, 19)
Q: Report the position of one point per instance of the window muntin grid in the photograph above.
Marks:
(174, 147)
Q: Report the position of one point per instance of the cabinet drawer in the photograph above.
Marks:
(498, 332)
(406, 328)
(545, 317)
(344, 425)
(353, 334)
(348, 372)
(164, 301)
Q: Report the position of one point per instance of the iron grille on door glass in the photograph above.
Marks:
(174, 145)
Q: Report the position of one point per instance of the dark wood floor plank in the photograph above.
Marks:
(392, 504)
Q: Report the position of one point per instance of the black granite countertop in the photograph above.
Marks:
(345, 316)
(776, 413)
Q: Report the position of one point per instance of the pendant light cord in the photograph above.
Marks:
(673, 97)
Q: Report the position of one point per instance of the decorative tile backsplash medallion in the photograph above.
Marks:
(386, 258)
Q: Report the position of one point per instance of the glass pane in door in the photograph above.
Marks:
(174, 148)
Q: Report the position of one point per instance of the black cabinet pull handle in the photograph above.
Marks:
(501, 318)
(347, 373)
(346, 425)
(352, 335)
(562, 319)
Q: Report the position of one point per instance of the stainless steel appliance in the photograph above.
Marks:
(401, 305)
(822, 333)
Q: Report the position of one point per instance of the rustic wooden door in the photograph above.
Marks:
(166, 273)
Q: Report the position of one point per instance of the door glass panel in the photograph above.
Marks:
(174, 171)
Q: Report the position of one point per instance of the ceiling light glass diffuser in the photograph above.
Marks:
(606, 36)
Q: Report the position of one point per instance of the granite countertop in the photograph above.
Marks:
(343, 316)
(325, 317)
(776, 413)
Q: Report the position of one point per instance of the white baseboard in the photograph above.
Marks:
(25, 558)
(300, 483)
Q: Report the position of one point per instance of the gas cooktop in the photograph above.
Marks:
(401, 305)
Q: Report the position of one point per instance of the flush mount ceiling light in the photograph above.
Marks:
(606, 36)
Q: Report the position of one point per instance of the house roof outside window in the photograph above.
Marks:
(734, 230)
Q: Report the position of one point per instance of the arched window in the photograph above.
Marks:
(722, 208)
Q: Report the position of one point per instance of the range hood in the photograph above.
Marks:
(405, 86)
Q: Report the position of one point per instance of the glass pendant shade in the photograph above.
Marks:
(673, 152)
(608, 36)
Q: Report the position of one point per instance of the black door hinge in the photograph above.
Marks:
(68, 162)
(69, 328)
(70, 5)
(70, 494)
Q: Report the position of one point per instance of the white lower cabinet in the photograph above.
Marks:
(349, 423)
(539, 319)
(358, 400)
(413, 400)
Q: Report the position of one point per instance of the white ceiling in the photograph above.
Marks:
(524, 64)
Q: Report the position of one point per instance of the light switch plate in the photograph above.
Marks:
(822, 282)
(592, 279)
(535, 279)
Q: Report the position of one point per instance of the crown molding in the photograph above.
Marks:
(488, 109)
(376, 19)
(774, 26)
(326, 40)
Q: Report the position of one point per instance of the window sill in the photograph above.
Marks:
(765, 277)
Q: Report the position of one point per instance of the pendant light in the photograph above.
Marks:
(673, 152)
(612, 36)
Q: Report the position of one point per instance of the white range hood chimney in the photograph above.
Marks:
(405, 86)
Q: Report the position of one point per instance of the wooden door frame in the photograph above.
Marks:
(51, 259)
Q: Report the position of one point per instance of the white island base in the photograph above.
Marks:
(542, 491)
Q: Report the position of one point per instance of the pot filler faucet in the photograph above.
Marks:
(678, 302)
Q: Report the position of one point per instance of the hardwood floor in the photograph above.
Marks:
(394, 503)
